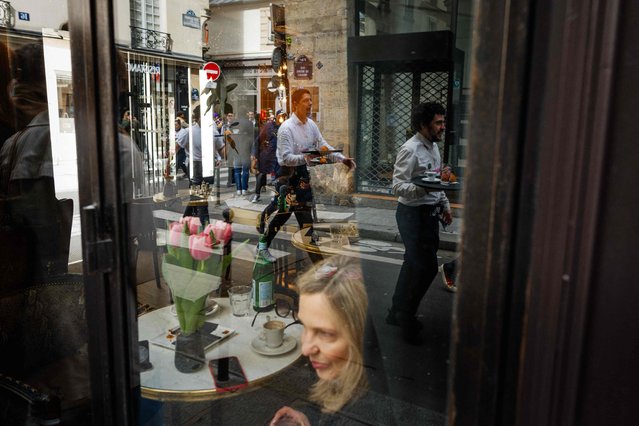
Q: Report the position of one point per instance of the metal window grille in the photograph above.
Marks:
(142, 38)
(387, 95)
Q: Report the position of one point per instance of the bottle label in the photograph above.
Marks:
(261, 245)
(262, 293)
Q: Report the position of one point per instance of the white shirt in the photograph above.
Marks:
(293, 137)
(196, 146)
(417, 156)
(182, 139)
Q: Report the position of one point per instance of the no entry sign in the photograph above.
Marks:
(213, 71)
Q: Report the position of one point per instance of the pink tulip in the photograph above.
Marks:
(193, 224)
(198, 247)
(223, 231)
(175, 233)
(209, 231)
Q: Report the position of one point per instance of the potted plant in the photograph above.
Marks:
(193, 267)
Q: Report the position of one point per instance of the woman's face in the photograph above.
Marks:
(324, 339)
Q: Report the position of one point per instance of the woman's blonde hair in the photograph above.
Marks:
(340, 280)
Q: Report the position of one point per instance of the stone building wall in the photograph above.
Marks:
(319, 30)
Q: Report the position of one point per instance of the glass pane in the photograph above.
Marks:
(43, 329)
(404, 16)
(207, 216)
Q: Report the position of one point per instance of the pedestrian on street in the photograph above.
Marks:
(243, 137)
(227, 126)
(417, 217)
(181, 132)
(194, 148)
(183, 121)
(264, 153)
(298, 134)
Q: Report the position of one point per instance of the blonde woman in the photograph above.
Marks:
(333, 306)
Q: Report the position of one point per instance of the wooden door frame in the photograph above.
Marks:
(110, 300)
(543, 74)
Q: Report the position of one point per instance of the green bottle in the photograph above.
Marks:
(262, 280)
(281, 201)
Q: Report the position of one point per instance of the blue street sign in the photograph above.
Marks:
(24, 16)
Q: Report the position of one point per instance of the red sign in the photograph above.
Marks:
(213, 71)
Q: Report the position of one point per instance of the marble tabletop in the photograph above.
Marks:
(165, 382)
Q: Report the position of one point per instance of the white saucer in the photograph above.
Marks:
(259, 346)
(434, 180)
(211, 309)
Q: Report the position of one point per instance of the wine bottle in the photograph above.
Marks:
(262, 280)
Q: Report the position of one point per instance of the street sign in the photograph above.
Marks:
(190, 19)
(303, 68)
(24, 16)
(213, 71)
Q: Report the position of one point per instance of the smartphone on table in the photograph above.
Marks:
(228, 374)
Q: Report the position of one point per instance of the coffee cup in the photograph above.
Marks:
(273, 333)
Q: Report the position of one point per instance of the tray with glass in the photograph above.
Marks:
(436, 184)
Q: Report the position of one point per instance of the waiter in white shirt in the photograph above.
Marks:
(417, 217)
(298, 134)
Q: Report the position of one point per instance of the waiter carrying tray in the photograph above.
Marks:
(296, 137)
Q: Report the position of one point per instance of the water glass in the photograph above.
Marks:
(240, 300)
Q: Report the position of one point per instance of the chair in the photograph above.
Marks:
(143, 233)
(44, 370)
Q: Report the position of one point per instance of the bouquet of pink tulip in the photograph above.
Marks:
(193, 266)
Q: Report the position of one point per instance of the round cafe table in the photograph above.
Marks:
(164, 382)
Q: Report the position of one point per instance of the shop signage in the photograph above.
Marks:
(190, 19)
(144, 68)
(303, 68)
(213, 71)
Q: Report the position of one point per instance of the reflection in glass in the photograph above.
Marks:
(352, 212)
(401, 16)
(43, 329)
(65, 102)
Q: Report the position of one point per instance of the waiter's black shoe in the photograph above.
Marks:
(400, 319)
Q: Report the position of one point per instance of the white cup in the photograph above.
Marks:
(431, 176)
(273, 333)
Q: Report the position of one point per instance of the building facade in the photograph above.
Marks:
(362, 101)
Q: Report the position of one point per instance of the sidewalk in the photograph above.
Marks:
(373, 222)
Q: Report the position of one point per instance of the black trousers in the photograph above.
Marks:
(180, 161)
(302, 214)
(419, 228)
(260, 181)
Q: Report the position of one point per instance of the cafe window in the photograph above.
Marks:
(169, 257)
(226, 277)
